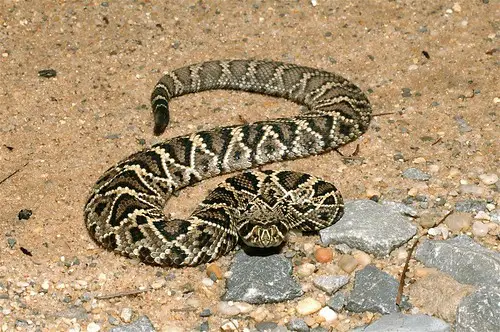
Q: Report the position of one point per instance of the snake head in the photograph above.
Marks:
(262, 226)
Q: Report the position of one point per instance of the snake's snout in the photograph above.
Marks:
(264, 236)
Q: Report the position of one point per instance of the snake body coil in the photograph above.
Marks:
(124, 212)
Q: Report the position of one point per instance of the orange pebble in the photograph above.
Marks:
(214, 270)
(323, 255)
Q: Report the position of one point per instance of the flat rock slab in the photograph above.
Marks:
(142, 324)
(480, 311)
(374, 290)
(258, 279)
(330, 284)
(370, 227)
(406, 323)
(462, 258)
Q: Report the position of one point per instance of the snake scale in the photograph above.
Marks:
(124, 212)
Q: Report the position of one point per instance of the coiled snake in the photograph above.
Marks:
(124, 212)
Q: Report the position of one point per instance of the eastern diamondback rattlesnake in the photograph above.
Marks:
(124, 212)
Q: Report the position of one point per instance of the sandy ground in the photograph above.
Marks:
(59, 134)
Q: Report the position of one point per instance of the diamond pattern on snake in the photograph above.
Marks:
(124, 212)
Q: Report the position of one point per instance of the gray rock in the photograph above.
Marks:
(480, 311)
(142, 324)
(415, 174)
(398, 322)
(298, 325)
(470, 205)
(337, 301)
(374, 290)
(266, 326)
(257, 279)
(462, 258)
(400, 208)
(73, 312)
(370, 227)
(330, 284)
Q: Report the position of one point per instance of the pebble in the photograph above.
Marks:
(471, 189)
(362, 258)
(328, 314)
(488, 179)
(207, 282)
(479, 229)
(157, 284)
(204, 327)
(126, 315)
(24, 214)
(230, 325)
(405, 323)
(307, 306)
(305, 270)
(330, 284)
(228, 309)
(470, 205)
(458, 221)
(323, 255)
(337, 301)
(415, 174)
(419, 160)
(266, 326)
(348, 263)
(298, 325)
(261, 279)
(214, 272)
(374, 291)
(206, 313)
(143, 324)
(45, 285)
(482, 215)
(93, 327)
(11, 242)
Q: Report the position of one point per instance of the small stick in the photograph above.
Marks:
(14, 173)
(410, 253)
(437, 141)
(122, 294)
(382, 114)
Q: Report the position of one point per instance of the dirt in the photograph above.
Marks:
(428, 68)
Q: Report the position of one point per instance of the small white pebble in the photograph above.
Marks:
(419, 160)
(306, 270)
(45, 285)
(102, 277)
(328, 314)
(207, 282)
(230, 325)
(482, 216)
(244, 307)
(93, 327)
(479, 229)
(158, 283)
(488, 179)
(22, 284)
(433, 168)
(449, 11)
(228, 309)
(490, 207)
(496, 100)
(307, 306)
(126, 315)
(456, 7)
(362, 258)
(413, 67)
